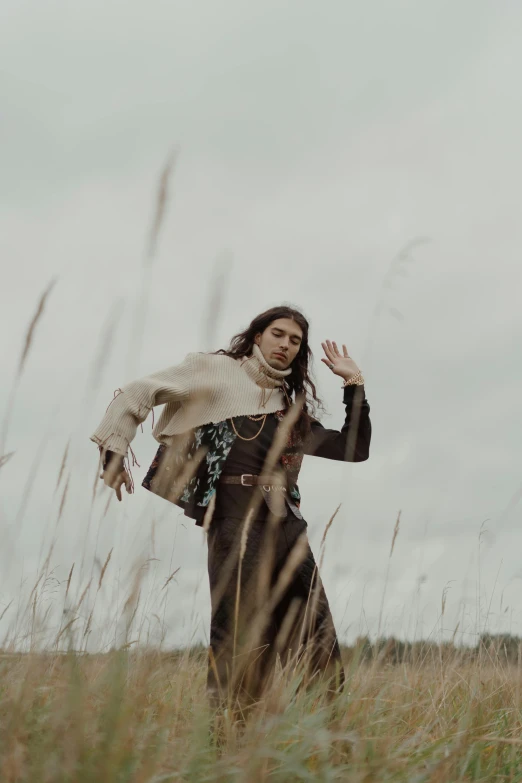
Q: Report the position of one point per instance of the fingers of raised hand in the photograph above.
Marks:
(328, 349)
(332, 347)
(332, 351)
(336, 350)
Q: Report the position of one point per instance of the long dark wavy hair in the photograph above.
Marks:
(299, 382)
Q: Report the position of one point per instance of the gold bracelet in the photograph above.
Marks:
(355, 380)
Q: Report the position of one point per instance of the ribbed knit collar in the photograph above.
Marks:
(261, 372)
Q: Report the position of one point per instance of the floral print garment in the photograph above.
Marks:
(218, 438)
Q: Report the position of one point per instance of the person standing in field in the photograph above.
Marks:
(233, 433)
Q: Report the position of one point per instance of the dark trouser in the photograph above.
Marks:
(267, 600)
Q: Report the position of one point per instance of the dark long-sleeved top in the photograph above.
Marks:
(351, 444)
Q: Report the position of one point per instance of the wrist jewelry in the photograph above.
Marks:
(355, 380)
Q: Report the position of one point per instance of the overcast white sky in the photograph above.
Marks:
(316, 141)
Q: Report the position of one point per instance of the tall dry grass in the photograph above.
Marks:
(142, 716)
(139, 713)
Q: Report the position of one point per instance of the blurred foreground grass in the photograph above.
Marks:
(423, 714)
(142, 716)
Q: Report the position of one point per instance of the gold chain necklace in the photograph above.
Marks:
(257, 433)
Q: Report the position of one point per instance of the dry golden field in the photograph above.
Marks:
(142, 716)
(424, 714)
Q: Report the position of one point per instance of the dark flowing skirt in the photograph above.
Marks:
(267, 601)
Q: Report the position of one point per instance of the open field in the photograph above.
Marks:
(410, 712)
(141, 716)
(174, 169)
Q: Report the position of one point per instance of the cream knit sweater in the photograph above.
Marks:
(203, 388)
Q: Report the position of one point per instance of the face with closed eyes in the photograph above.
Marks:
(280, 342)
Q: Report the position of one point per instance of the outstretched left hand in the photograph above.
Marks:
(340, 364)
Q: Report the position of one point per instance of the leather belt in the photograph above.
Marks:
(250, 480)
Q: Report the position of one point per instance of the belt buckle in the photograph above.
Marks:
(246, 475)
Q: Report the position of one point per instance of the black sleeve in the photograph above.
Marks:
(352, 442)
(109, 455)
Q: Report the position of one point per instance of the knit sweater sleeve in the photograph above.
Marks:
(136, 399)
